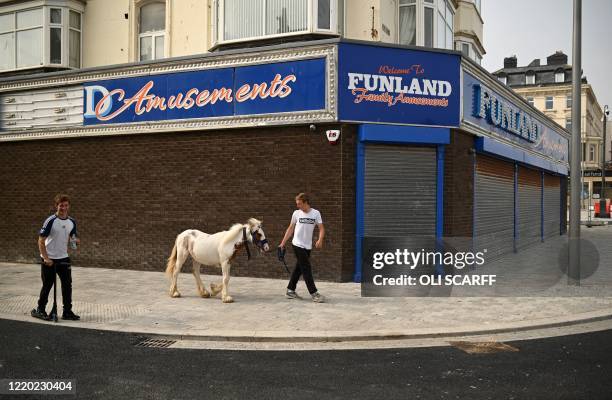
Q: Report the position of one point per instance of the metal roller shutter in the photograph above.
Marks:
(552, 205)
(529, 208)
(400, 191)
(494, 206)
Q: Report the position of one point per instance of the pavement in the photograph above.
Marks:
(138, 302)
(588, 218)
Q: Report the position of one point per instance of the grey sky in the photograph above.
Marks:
(537, 28)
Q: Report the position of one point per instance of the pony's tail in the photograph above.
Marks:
(171, 262)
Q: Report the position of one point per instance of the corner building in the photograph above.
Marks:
(113, 103)
(430, 145)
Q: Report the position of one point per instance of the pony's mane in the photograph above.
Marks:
(231, 232)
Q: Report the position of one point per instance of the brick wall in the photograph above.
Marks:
(131, 195)
(459, 186)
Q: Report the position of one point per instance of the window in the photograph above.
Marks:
(568, 101)
(568, 124)
(74, 39)
(530, 101)
(426, 23)
(445, 25)
(407, 22)
(323, 14)
(530, 78)
(549, 103)
(477, 57)
(257, 19)
(428, 19)
(559, 77)
(152, 30)
(592, 152)
(503, 79)
(55, 35)
(39, 37)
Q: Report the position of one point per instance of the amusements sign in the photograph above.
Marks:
(411, 87)
(235, 91)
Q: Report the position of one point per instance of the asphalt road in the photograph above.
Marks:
(107, 365)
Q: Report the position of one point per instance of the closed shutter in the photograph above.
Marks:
(529, 207)
(493, 206)
(552, 206)
(399, 191)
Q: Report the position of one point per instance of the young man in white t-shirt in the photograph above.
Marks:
(302, 226)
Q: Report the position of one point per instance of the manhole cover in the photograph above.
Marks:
(483, 347)
(155, 343)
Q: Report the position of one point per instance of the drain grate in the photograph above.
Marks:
(483, 347)
(157, 343)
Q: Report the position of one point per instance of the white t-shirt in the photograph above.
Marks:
(304, 227)
(57, 232)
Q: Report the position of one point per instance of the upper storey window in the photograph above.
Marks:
(426, 23)
(152, 31)
(39, 37)
(241, 20)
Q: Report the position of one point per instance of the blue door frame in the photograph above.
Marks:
(395, 134)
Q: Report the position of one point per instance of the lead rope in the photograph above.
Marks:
(246, 243)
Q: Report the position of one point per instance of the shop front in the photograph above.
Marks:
(389, 141)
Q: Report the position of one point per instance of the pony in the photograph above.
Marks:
(217, 249)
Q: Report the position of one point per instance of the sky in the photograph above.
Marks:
(533, 29)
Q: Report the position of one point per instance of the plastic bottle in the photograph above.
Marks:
(73, 243)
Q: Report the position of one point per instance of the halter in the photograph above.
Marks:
(259, 243)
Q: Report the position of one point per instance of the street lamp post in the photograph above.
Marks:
(603, 212)
(573, 272)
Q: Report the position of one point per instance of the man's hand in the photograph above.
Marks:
(48, 262)
(319, 244)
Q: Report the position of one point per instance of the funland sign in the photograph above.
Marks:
(249, 90)
(398, 86)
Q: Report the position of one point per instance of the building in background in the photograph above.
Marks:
(549, 89)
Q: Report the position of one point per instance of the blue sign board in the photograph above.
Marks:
(401, 86)
(250, 90)
(493, 112)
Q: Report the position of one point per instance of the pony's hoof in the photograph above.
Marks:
(204, 294)
(215, 289)
(228, 299)
(176, 294)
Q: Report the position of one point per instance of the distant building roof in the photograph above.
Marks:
(536, 74)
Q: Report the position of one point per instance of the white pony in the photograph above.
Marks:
(217, 249)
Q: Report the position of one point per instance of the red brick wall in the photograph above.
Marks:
(459, 186)
(131, 195)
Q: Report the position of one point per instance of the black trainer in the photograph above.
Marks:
(39, 313)
(70, 316)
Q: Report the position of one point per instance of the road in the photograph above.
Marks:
(108, 365)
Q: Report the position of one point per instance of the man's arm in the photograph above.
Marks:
(43, 250)
(288, 234)
(319, 243)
